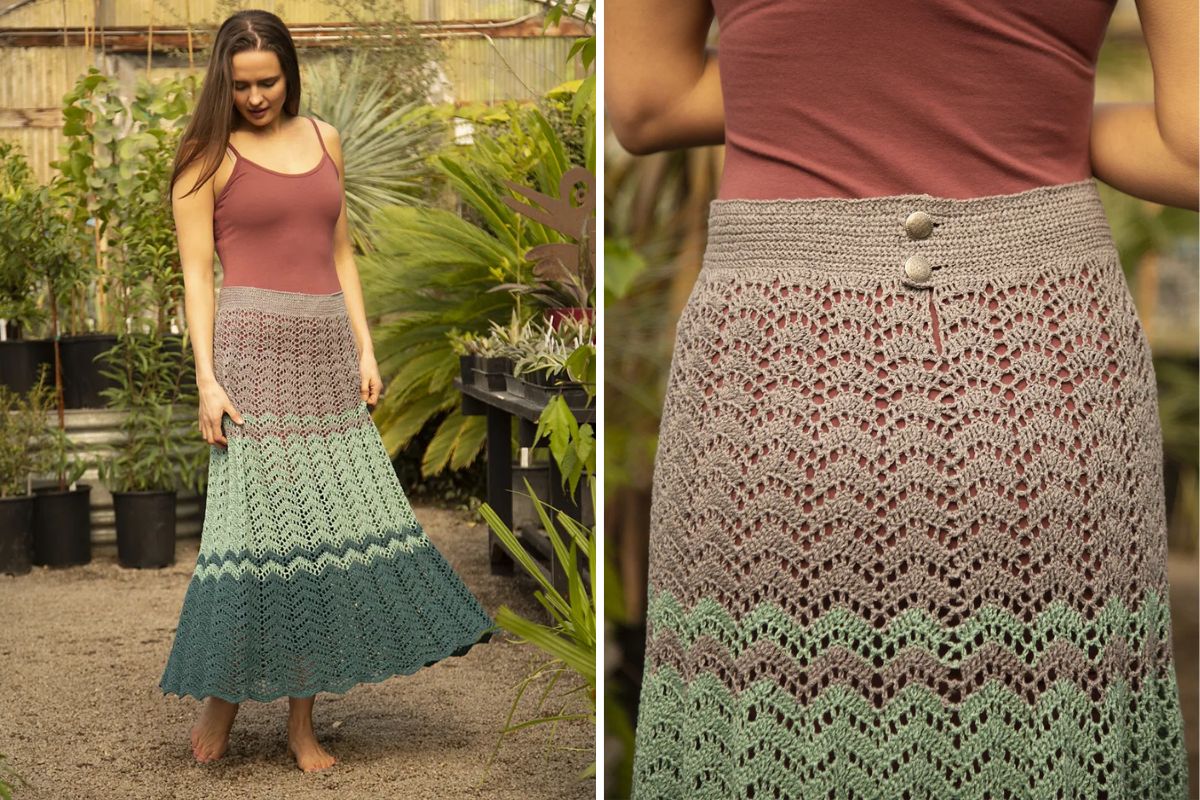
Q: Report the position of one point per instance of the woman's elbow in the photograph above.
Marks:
(632, 124)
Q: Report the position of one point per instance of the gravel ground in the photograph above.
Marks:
(81, 714)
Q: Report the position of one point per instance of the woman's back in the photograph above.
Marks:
(943, 97)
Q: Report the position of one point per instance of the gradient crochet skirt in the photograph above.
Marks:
(313, 573)
(907, 526)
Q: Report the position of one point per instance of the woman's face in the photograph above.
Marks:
(258, 85)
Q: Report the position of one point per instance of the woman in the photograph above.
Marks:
(907, 534)
(313, 574)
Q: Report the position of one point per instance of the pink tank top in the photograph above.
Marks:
(945, 97)
(274, 230)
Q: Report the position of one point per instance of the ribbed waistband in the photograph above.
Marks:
(275, 301)
(976, 236)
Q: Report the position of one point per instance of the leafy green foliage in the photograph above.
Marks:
(64, 458)
(570, 640)
(22, 423)
(43, 245)
(386, 140)
(430, 275)
(572, 445)
(161, 450)
(9, 779)
(20, 212)
(115, 168)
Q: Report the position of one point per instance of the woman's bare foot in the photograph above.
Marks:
(210, 735)
(302, 740)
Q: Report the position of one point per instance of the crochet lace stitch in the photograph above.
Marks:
(313, 574)
(908, 538)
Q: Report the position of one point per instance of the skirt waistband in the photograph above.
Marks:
(920, 238)
(275, 301)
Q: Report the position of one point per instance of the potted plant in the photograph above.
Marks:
(62, 522)
(158, 455)
(118, 155)
(514, 343)
(21, 356)
(22, 421)
(494, 361)
(544, 369)
(466, 345)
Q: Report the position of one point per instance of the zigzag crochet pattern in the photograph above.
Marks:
(908, 535)
(313, 574)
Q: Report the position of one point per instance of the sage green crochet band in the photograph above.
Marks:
(908, 534)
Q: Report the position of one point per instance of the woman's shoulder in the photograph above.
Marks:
(328, 131)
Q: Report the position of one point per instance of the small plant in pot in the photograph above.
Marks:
(154, 460)
(515, 345)
(142, 478)
(545, 369)
(22, 422)
(62, 522)
(466, 345)
(495, 359)
(21, 211)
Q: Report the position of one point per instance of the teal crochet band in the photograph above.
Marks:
(245, 638)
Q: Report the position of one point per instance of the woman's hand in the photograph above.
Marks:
(371, 386)
(214, 404)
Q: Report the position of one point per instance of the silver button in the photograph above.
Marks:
(919, 225)
(917, 268)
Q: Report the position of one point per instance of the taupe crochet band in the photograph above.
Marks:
(908, 533)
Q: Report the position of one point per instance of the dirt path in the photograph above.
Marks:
(81, 714)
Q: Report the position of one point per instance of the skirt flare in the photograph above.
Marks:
(313, 573)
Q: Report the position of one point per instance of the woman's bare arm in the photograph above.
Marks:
(194, 233)
(1151, 150)
(347, 272)
(662, 89)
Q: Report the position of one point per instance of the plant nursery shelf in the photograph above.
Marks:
(500, 407)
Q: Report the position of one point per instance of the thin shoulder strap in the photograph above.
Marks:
(234, 149)
(320, 138)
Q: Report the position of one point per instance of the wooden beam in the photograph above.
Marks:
(133, 38)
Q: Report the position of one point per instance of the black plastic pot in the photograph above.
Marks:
(145, 528)
(20, 361)
(514, 386)
(82, 381)
(541, 388)
(62, 526)
(466, 368)
(16, 534)
(493, 368)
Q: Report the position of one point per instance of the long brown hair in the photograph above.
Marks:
(207, 133)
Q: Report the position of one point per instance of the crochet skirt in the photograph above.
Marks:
(313, 573)
(908, 533)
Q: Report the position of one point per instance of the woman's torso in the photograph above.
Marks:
(943, 97)
(274, 229)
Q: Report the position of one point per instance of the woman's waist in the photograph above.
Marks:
(919, 237)
(266, 299)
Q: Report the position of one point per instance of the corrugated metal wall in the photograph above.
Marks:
(494, 51)
(113, 13)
